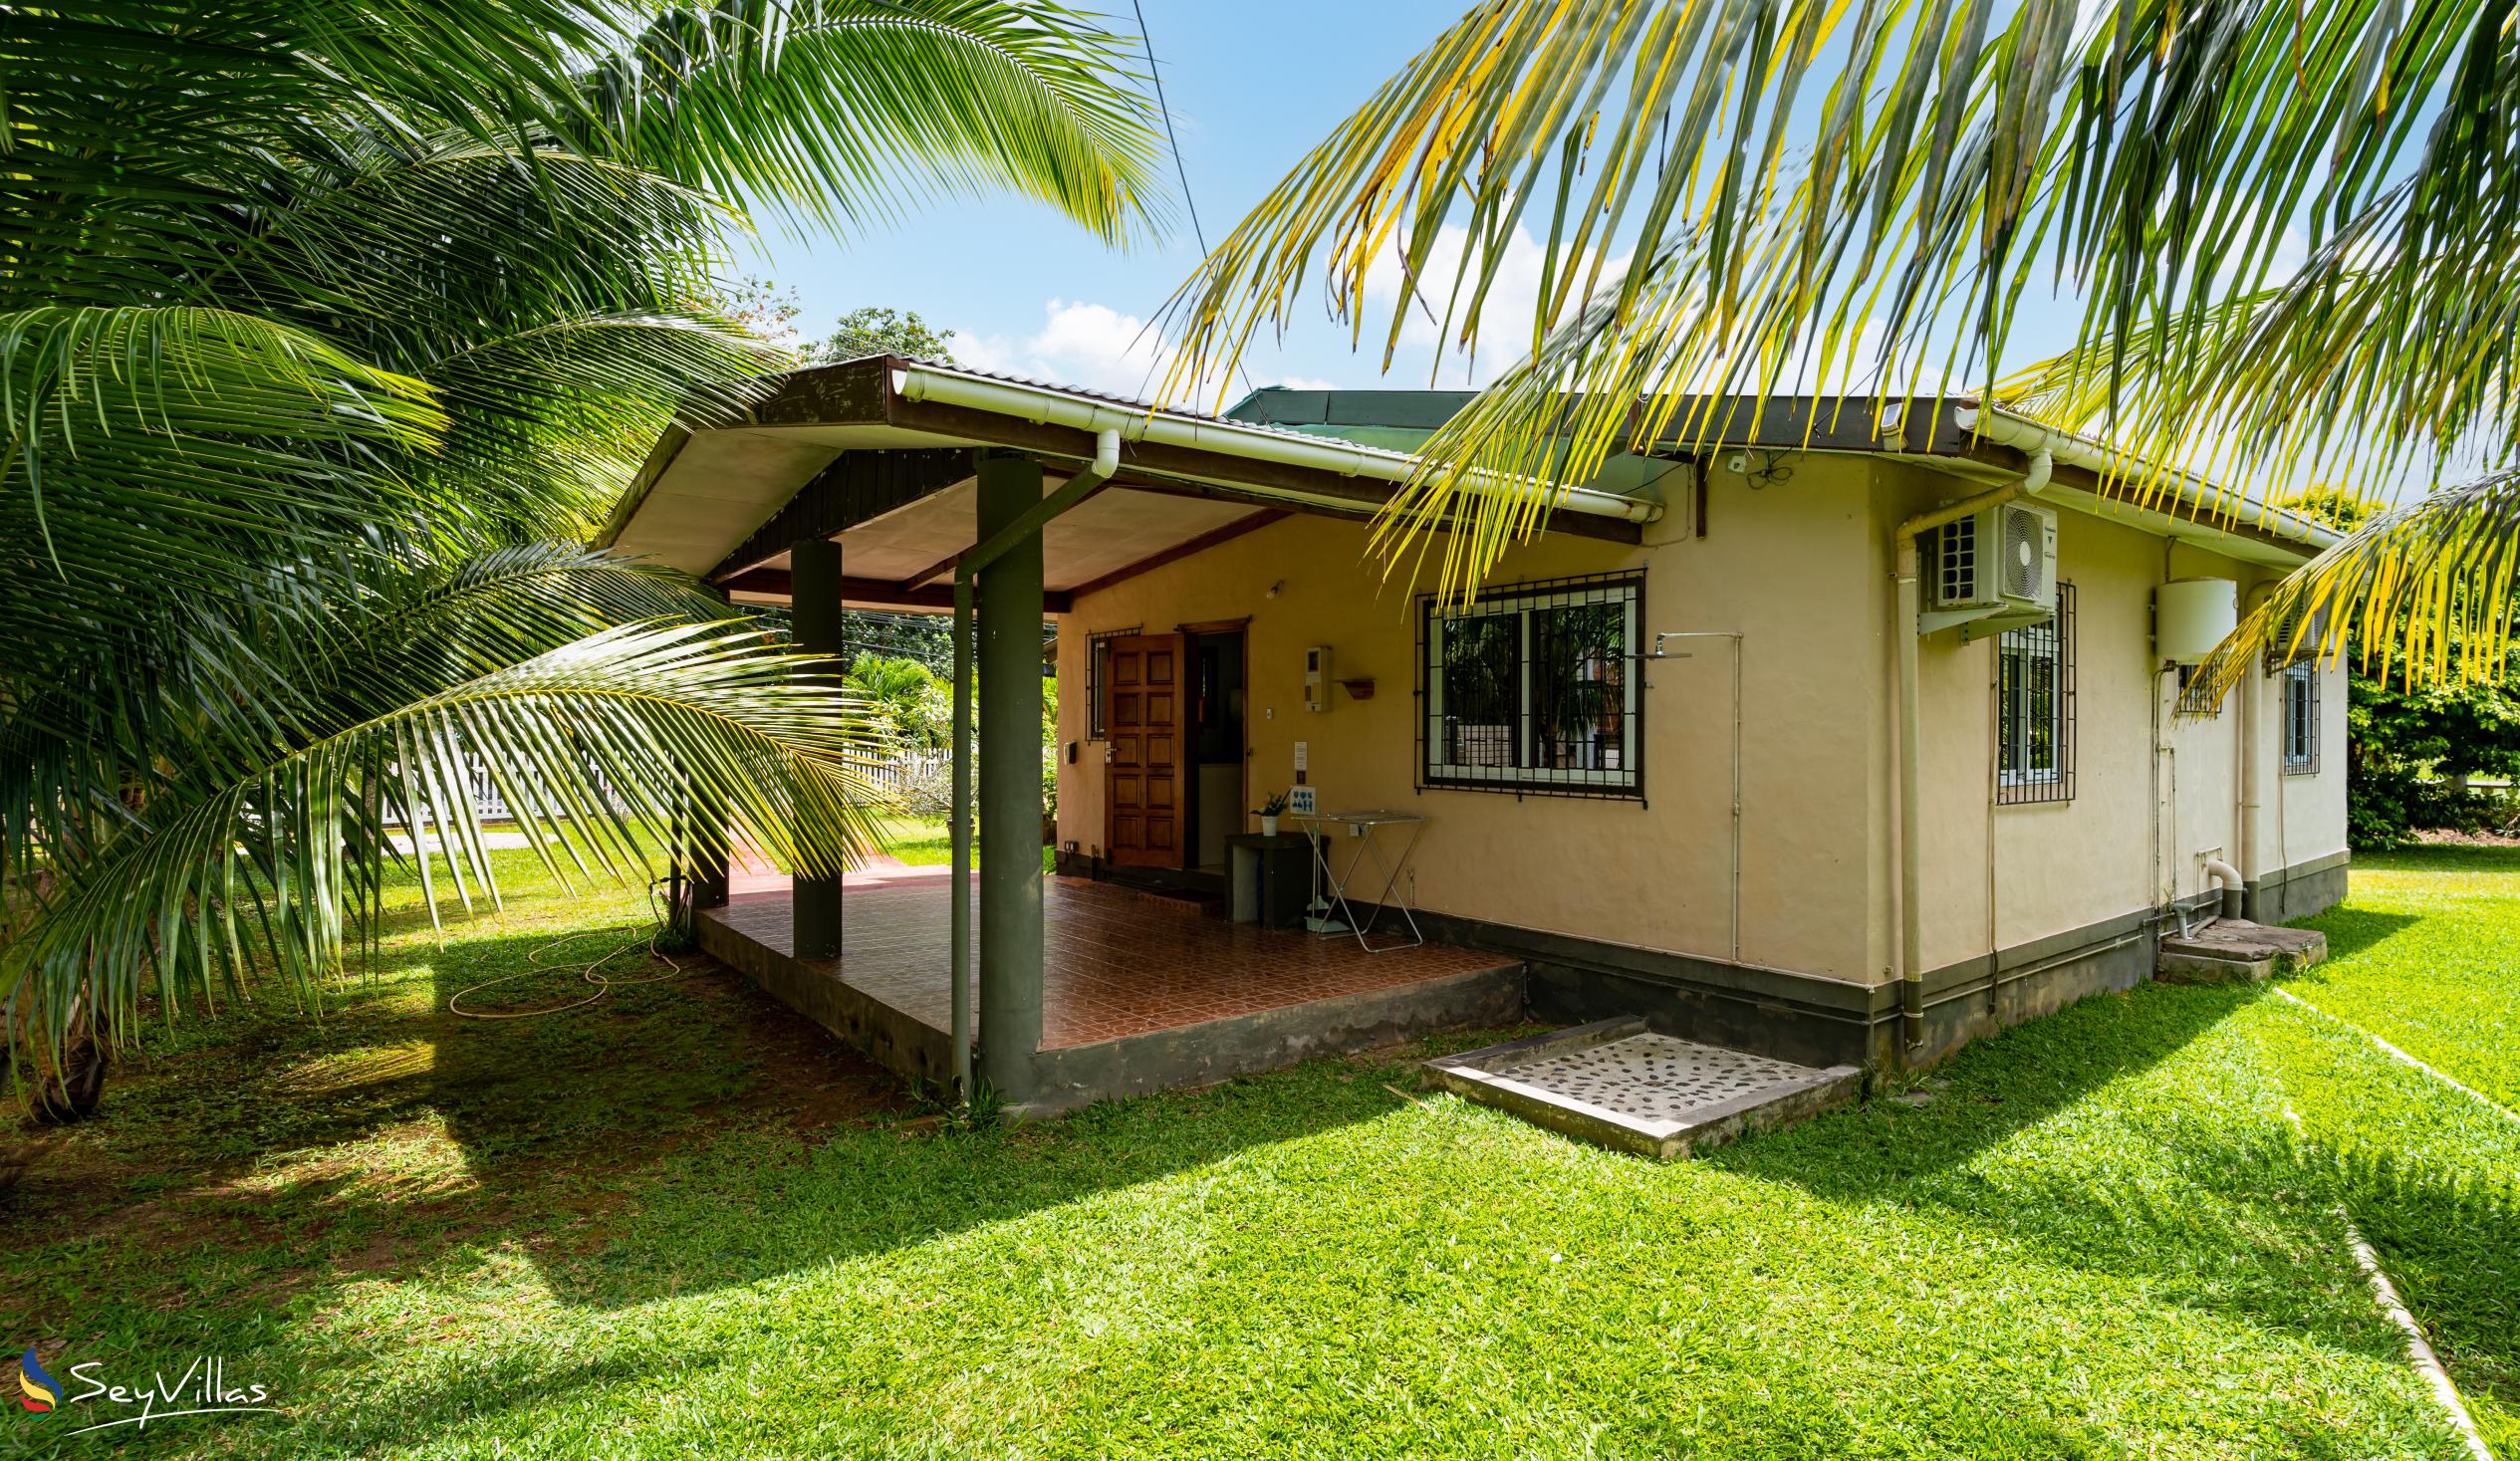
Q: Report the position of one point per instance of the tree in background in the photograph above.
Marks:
(2410, 752)
(326, 332)
(879, 332)
(913, 706)
(764, 310)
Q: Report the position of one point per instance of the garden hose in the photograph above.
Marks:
(536, 964)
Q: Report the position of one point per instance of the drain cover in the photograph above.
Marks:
(1618, 1084)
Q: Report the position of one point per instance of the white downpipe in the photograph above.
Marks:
(2007, 429)
(1911, 876)
(1043, 406)
(2234, 887)
(2245, 849)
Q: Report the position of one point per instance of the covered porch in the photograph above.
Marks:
(1139, 991)
(895, 484)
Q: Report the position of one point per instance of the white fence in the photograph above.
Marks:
(892, 778)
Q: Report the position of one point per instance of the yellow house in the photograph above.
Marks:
(1839, 740)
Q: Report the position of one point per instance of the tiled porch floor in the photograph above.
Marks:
(1117, 962)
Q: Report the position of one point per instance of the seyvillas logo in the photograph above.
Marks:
(202, 1387)
(38, 1390)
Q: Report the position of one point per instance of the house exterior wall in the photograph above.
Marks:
(2155, 795)
(1620, 904)
(1782, 563)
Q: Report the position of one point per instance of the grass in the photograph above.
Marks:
(2433, 931)
(923, 842)
(674, 1223)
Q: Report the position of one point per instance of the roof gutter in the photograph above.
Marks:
(1230, 439)
(2007, 428)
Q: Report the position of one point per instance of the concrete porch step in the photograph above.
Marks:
(2232, 950)
(1616, 1083)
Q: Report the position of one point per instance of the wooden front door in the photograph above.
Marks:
(1145, 803)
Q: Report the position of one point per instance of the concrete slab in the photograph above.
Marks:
(2234, 949)
(1616, 1083)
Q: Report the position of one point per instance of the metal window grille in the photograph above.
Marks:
(1536, 688)
(2187, 676)
(2034, 708)
(1098, 659)
(2301, 719)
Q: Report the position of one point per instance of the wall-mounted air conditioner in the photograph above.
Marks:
(2292, 643)
(1991, 569)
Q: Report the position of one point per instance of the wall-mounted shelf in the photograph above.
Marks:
(1358, 690)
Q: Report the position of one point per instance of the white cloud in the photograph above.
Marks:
(1505, 315)
(1083, 344)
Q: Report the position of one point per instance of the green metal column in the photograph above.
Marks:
(1009, 658)
(814, 582)
(702, 844)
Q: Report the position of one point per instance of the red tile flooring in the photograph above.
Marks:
(1117, 962)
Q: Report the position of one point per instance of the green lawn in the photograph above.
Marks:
(2437, 970)
(923, 842)
(677, 1223)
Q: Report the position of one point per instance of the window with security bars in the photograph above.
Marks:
(1535, 689)
(1098, 661)
(2034, 708)
(2301, 718)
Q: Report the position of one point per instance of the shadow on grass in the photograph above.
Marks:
(584, 1138)
(2121, 1200)
(2353, 930)
(2452, 1247)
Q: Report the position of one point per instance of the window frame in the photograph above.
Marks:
(1625, 781)
(2051, 638)
(1098, 653)
(2300, 676)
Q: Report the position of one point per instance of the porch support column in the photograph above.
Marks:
(817, 618)
(705, 848)
(1009, 656)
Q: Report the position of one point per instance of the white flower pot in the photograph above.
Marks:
(1268, 826)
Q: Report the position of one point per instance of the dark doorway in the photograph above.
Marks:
(1218, 746)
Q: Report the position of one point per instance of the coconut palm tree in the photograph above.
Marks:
(2285, 231)
(326, 328)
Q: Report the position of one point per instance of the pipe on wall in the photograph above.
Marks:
(2245, 848)
(1733, 638)
(2005, 428)
(2234, 887)
(1912, 941)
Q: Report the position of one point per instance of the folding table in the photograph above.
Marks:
(1364, 830)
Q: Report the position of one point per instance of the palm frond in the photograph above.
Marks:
(2428, 591)
(169, 707)
(122, 419)
(596, 744)
(1733, 194)
(847, 108)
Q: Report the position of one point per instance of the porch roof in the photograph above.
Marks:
(875, 455)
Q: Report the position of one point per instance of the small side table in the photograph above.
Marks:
(1268, 879)
(1342, 884)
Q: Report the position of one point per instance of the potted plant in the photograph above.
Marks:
(1269, 813)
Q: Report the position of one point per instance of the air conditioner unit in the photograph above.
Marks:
(1994, 569)
(2282, 651)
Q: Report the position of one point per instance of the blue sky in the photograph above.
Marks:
(1251, 89)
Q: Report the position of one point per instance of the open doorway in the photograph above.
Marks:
(1219, 749)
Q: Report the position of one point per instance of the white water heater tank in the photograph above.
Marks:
(2192, 616)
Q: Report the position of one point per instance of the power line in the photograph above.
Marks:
(1148, 40)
